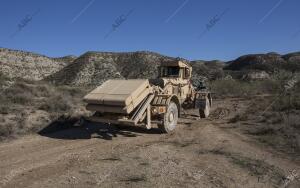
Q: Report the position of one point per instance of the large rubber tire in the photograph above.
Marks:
(117, 126)
(81, 122)
(170, 119)
(205, 111)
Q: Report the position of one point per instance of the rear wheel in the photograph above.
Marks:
(170, 119)
(205, 109)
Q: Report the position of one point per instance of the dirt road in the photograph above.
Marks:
(201, 153)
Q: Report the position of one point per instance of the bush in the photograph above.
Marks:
(57, 103)
(234, 88)
(36, 99)
(12, 127)
(6, 130)
(2, 78)
(292, 66)
(17, 94)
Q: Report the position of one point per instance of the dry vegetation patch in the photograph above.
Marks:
(273, 118)
(28, 106)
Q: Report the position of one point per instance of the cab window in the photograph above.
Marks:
(170, 71)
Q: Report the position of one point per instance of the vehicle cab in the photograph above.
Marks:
(175, 70)
(174, 78)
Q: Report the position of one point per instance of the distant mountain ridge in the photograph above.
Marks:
(93, 68)
(266, 62)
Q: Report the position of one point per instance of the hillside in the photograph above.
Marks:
(67, 59)
(27, 65)
(266, 62)
(207, 69)
(93, 68)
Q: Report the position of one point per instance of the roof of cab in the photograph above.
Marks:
(176, 63)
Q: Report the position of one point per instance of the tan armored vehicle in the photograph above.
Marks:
(148, 102)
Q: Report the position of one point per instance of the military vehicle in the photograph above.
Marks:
(149, 102)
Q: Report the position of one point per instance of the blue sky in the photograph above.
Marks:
(172, 27)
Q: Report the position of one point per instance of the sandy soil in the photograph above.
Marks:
(201, 153)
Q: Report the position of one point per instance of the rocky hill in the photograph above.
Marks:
(208, 69)
(67, 59)
(266, 62)
(292, 57)
(15, 64)
(93, 68)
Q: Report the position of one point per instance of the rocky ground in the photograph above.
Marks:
(214, 152)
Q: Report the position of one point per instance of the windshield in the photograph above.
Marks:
(170, 72)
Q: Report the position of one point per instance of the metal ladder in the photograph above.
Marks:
(145, 105)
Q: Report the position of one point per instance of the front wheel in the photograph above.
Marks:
(170, 119)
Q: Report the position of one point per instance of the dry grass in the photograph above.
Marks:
(255, 167)
(277, 126)
(273, 117)
(28, 106)
(236, 88)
